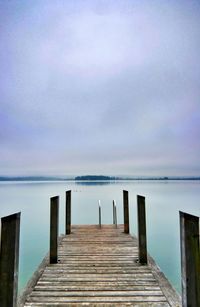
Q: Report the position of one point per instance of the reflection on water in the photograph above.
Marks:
(95, 182)
(163, 201)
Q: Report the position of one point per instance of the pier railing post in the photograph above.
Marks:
(190, 259)
(54, 226)
(142, 239)
(114, 213)
(126, 211)
(9, 260)
(99, 205)
(68, 213)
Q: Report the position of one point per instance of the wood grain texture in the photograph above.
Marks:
(99, 267)
(9, 259)
(54, 228)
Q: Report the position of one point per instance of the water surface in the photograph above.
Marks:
(164, 199)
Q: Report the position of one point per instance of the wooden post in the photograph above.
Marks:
(68, 213)
(190, 259)
(115, 215)
(126, 211)
(9, 260)
(142, 239)
(99, 214)
(54, 226)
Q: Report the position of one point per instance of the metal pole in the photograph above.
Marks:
(113, 212)
(190, 259)
(9, 260)
(142, 238)
(54, 225)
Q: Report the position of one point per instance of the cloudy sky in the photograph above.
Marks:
(99, 87)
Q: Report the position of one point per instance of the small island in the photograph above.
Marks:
(94, 177)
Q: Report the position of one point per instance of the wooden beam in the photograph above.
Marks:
(126, 211)
(9, 260)
(54, 229)
(190, 259)
(99, 205)
(142, 239)
(68, 213)
(115, 213)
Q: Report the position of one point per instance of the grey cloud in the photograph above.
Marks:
(106, 82)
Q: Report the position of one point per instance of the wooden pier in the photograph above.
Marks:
(98, 266)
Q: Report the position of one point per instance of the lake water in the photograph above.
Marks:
(164, 199)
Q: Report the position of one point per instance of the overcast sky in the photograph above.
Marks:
(99, 87)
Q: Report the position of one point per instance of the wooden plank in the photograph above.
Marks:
(94, 271)
(138, 304)
(89, 293)
(82, 287)
(93, 285)
(9, 260)
(105, 299)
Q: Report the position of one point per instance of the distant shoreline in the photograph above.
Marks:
(94, 178)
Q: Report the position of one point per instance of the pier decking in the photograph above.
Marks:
(98, 266)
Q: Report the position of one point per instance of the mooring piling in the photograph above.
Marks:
(9, 260)
(126, 211)
(142, 238)
(54, 226)
(99, 206)
(190, 259)
(68, 213)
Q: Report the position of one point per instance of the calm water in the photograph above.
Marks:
(163, 201)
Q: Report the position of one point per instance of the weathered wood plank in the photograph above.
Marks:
(60, 287)
(124, 304)
(95, 270)
(99, 304)
(96, 293)
(98, 267)
(106, 299)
